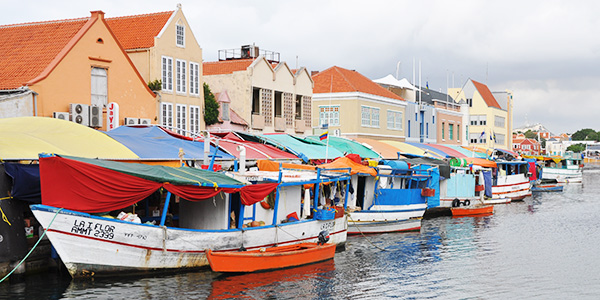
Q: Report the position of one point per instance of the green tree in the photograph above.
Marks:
(586, 134)
(576, 148)
(211, 107)
(531, 134)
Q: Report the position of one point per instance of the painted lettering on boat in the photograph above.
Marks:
(327, 226)
(139, 236)
(93, 229)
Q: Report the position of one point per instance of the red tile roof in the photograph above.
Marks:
(225, 66)
(26, 50)
(348, 81)
(485, 93)
(135, 32)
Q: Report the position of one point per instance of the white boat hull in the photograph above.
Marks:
(515, 187)
(386, 218)
(562, 175)
(93, 246)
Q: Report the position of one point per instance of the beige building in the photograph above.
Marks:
(354, 106)
(489, 121)
(163, 47)
(264, 92)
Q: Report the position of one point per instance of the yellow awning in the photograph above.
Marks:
(408, 148)
(25, 137)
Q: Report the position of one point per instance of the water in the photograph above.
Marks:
(545, 247)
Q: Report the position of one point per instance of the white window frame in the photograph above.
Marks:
(394, 119)
(167, 115)
(167, 73)
(328, 113)
(369, 116)
(195, 120)
(180, 35)
(499, 121)
(181, 118)
(194, 78)
(180, 76)
(225, 111)
(99, 86)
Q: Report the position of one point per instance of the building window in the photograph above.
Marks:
(457, 132)
(500, 138)
(298, 107)
(194, 78)
(180, 30)
(408, 127)
(394, 119)
(194, 120)
(474, 138)
(180, 80)
(478, 120)
(329, 114)
(450, 131)
(433, 119)
(470, 102)
(499, 121)
(99, 90)
(369, 116)
(167, 73)
(443, 131)
(225, 111)
(180, 118)
(167, 115)
(278, 104)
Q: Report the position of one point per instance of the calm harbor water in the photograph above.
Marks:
(545, 247)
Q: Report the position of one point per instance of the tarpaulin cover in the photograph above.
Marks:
(466, 152)
(345, 162)
(347, 146)
(442, 165)
(410, 149)
(449, 151)
(25, 138)
(428, 147)
(301, 147)
(268, 165)
(487, 179)
(26, 181)
(89, 185)
(152, 142)
(386, 151)
(396, 164)
(254, 150)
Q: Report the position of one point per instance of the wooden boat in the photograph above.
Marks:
(472, 210)
(547, 188)
(263, 259)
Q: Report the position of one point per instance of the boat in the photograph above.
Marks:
(547, 188)
(491, 201)
(473, 210)
(566, 169)
(183, 211)
(272, 258)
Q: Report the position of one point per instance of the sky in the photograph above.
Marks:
(547, 53)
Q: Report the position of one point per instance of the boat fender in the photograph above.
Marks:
(455, 202)
(467, 202)
(323, 237)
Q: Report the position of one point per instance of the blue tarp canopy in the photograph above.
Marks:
(154, 143)
(26, 181)
(302, 147)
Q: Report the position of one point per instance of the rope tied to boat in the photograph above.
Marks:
(34, 246)
(368, 240)
(4, 217)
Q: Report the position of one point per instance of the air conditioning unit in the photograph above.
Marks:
(61, 115)
(132, 121)
(144, 121)
(95, 116)
(79, 113)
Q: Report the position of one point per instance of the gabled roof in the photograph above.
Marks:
(225, 66)
(135, 32)
(340, 80)
(486, 94)
(27, 49)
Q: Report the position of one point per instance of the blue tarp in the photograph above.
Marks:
(154, 143)
(26, 181)
(487, 179)
(396, 164)
(301, 147)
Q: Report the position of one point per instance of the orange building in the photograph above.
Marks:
(46, 68)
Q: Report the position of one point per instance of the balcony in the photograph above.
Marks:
(258, 122)
(279, 124)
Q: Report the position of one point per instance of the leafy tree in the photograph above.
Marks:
(155, 85)
(211, 107)
(531, 134)
(587, 134)
(576, 148)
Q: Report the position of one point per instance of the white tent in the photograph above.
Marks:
(390, 80)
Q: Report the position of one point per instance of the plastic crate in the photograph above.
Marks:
(325, 214)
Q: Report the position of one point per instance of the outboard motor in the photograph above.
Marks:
(323, 237)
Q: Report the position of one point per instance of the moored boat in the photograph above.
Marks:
(75, 189)
(566, 169)
(263, 259)
(473, 210)
(547, 188)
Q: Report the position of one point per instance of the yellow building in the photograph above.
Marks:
(489, 121)
(69, 69)
(163, 47)
(266, 93)
(356, 107)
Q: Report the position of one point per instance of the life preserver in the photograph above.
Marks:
(455, 203)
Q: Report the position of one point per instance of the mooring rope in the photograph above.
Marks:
(33, 248)
(368, 240)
